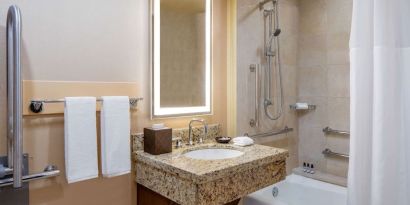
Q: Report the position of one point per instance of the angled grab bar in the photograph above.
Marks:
(266, 134)
(14, 95)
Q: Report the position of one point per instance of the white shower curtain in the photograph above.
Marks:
(379, 169)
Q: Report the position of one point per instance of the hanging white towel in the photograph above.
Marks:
(115, 136)
(80, 137)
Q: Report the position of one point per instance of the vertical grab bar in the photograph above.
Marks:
(255, 122)
(14, 94)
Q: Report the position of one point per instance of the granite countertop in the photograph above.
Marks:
(202, 171)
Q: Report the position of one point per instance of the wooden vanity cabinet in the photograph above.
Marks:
(146, 196)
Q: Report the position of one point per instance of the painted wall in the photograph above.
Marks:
(103, 44)
(323, 78)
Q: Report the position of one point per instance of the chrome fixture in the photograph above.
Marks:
(200, 140)
(14, 95)
(37, 106)
(275, 191)
(266, 134)
(49, 171)
(330, 153)
(272, 40)
(262, 3)
(329, 130)
(255, 69)
(296, 107)
(15, 108)
(178, 143)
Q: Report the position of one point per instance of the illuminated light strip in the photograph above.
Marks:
(168, 111)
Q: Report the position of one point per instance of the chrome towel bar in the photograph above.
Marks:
(266, 134)
(329, 130)
(328, 152)
(37, 106)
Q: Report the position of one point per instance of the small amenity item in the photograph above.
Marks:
(243, 141)
(223, 140)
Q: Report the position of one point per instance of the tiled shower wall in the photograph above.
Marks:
(250, 48)
(315, 64)
(323, 80)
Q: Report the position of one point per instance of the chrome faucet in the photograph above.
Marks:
(200, 140)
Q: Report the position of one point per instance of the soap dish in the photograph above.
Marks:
(302, 106)
(223, 140)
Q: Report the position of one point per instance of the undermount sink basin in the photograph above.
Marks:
(213, 154)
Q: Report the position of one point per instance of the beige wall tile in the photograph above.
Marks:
(338, 143)
(311, 144)
(312, 81)
(324, 53)
(337, 45)
(339, 15)
(312, 17)
(337, 166)
(338, 80)
(314, 118)
(289, 74)
(312, 50)
(339, 113)
(250, 49)
(289, 49)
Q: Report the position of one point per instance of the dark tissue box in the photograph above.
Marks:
(157, 141)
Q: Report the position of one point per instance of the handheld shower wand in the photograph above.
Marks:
(273, 38)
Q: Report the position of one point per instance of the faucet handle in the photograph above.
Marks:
(178, 143)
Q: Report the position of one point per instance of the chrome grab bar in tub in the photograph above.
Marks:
(329, 130)
(328, 152)
(255, 68)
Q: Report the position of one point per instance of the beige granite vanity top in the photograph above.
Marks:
(202, 171)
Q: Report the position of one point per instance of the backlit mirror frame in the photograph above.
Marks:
(155, 44)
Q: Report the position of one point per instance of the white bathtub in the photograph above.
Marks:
(299, 190)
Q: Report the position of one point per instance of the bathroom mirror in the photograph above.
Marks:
(181, 57)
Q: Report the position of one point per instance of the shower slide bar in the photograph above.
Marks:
(329, 130)
(329, 153)
(36, 106)
(266, 134)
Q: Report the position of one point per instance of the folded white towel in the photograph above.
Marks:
(80, 139)
(243, 141)
(115, 136)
